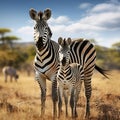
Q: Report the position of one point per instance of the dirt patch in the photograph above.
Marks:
(1, 87)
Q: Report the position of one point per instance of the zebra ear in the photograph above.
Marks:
(60, 40)
(33, 14)
(47, 14)
(69, 41)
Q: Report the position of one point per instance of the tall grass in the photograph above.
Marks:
(21, 100)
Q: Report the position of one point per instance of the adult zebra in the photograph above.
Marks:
(46, 60)
(70, 77)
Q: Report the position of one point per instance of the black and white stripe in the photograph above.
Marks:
(46, 60)
(82, 52)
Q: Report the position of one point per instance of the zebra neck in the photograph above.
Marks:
(65, 69)
(45, 48)
(44, 55)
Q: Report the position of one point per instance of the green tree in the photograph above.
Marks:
(116, 45)
(9, 40)
(2, 32)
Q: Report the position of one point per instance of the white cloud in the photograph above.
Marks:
(25, 33)
(59, 20)
(104, 21)
(115, 1)
(108, 43)
(104, 16)
(25, 30)
(85, 5)
(96, 23)
(57, 28)
(105, 7)
(98, 20)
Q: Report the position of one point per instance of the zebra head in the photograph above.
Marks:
(42, 32)
(64, 50)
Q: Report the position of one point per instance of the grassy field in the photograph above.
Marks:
(21, 100)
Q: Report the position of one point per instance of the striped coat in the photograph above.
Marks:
(70, 78)
(46, 61)
(86, 56)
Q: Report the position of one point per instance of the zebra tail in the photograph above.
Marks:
(102, 71)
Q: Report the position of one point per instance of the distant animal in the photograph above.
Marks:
(70, 77)
(28, 68)
(11, 72)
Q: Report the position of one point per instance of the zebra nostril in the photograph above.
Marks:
(40, 39)
(63, 61)
(64, 58)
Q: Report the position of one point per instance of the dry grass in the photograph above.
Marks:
(21, 100)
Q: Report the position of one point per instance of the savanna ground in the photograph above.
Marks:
(21, 100)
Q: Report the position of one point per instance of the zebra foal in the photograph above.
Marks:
(82, 52)
(69, 76)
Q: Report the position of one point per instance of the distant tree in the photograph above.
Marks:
(2, 32)
(116, 45)
(93, 41)
(9, 40)
(14, 58)
(114, 58)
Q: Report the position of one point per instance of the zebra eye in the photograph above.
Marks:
(68, 52)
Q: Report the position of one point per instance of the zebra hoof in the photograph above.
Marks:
(76, 115)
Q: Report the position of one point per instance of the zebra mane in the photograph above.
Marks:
(40, 14)
(64, 42)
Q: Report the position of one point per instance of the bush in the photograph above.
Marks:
(14, 58)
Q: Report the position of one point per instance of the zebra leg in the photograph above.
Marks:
(88, 89)
(76, 100)
(59, 101)
(5, 77)
(43, 97)
(54, 97)
(10, 78)
(42, 83)
(15, 80)
(66, 103)
(72, 103)
(78, 88)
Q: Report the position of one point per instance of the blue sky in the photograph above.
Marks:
(98, 19)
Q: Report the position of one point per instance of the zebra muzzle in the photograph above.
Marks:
(63, 61)
(39, 43)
